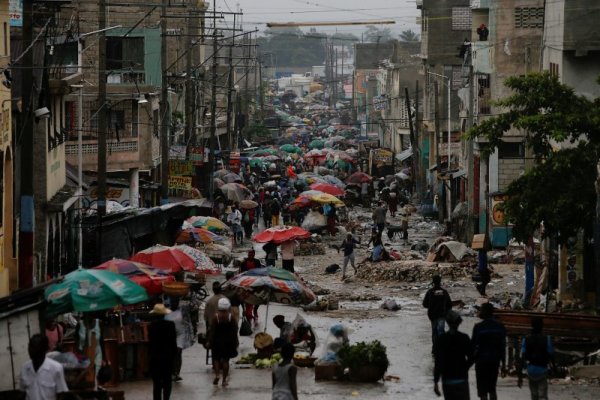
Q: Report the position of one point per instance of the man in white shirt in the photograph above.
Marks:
(41, 377)
(287, 255)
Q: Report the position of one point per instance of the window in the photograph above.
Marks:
(484, 94)
(461, 18)
(125, 53)
(70, 120)
(529, 17)
(554, 70)
(511, 150)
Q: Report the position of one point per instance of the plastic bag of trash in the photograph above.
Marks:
(390, 304)
(314, 220)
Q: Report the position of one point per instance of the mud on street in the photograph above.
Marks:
(406, 333)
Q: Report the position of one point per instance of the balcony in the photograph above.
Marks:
(121, 154)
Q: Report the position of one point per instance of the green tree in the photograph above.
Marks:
(409, 36)
(559, 190)
(374, 34)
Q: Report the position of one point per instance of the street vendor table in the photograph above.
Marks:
(126, 348)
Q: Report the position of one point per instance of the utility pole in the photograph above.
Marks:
(27, 210)
(417, 151)
(164, 109)
(335, 79)
(102, 126)
(261, 99)
(191, 43)
(247, 41)
(441, 203)
(232, 145)
(213, 106)
(412, 135)
(470, 161)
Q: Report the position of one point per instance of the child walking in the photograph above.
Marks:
(284, 376)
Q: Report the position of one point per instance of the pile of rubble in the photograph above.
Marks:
(309, 249)
(410, 271)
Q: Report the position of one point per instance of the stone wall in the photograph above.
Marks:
(509, 169)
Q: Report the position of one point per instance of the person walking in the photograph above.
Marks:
(404, 214)
(453, 355)
(438, 304)
(267, 218)
(223, 340)
(162, 350)
(270, 250)
(41, 377)
(211, 304)
(248, 222)
(537, 351)
(392, 202)
(234, 219)
(185, 335)
(249, 263)
(348, 246)
(529, 270)
(275, 210)
(284, 376)
(483, 270)
(489, 344)
(379, 215)
(287, 255)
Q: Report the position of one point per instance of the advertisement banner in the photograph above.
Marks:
(15, 12)
(180, 182)
(196, 155)
(181, 167)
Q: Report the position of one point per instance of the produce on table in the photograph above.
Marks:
(268, 362)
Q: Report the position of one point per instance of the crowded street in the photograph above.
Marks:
(295, 199)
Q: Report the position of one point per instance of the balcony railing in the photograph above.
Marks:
(113, 146)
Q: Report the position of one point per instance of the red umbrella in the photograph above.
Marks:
(163, 257)
(280, 234)
(144, 275)
(359, 177)
(328, 188)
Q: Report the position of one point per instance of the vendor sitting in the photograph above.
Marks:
(303, 338)
(285, 332)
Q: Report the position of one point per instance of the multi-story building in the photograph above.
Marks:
(8, 273)
(445, 29)
(512, 47)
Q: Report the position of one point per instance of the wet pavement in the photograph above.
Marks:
(405, 333)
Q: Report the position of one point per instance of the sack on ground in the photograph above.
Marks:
(245, 328)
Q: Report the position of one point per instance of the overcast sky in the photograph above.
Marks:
(258, 12)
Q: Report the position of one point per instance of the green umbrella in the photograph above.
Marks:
(290, 148)
(263, 152)
(256, 162)
(316, 144)
(87, 290)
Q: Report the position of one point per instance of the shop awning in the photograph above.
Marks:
(404, 155)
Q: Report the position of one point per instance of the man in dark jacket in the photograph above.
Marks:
(162, 348)
(453, 354)
(437, 302)
(489, 342)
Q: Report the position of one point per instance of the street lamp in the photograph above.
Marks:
(449, 122)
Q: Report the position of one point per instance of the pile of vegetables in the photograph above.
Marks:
(268, 362)
(247, 359)
(361, 353)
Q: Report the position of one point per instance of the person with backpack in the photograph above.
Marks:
(248, 222)
(438, 304)
(489, 342)
(537, 352)
(275, 211)
(453, 356)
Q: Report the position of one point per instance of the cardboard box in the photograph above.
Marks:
(328, 372)
(479, 242)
